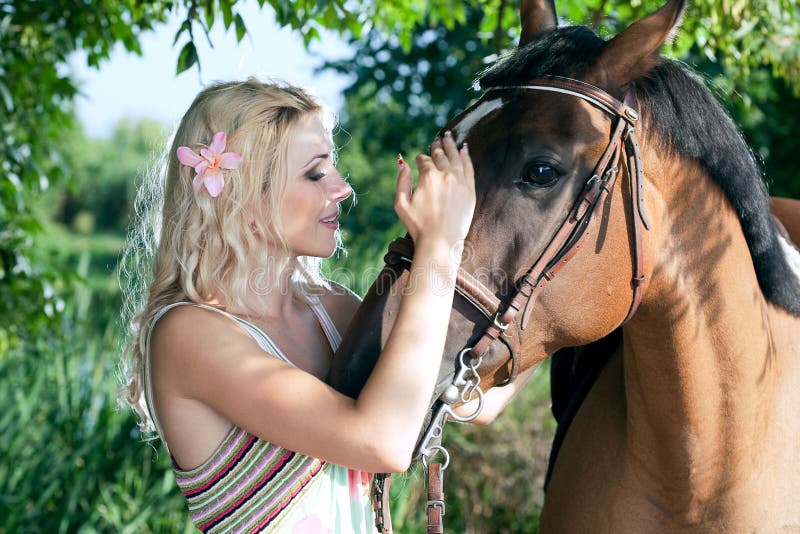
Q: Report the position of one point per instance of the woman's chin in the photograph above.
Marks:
(323, 252)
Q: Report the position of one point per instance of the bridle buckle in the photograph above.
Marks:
(436, 503)
(500, 325)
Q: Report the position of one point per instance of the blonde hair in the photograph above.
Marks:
(196, 247)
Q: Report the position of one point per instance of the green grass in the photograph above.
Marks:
(73, 460)
(103, 248)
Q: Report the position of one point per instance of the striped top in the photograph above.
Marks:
(250, 485)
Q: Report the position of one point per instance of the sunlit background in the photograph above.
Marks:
(131, 86)
(72, 460)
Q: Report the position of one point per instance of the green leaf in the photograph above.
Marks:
(208, 10)
(227, 13)
(185, 27)
(8, 101)
(241, 29)
(309, 35)
(187, 58)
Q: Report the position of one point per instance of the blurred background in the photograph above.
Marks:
(88, 95)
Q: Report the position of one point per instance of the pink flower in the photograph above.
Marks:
(209, 164)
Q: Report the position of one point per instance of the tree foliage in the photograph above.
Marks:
(36, 112)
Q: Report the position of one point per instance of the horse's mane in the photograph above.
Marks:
(685, 118)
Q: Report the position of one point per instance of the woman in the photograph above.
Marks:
(237, 328)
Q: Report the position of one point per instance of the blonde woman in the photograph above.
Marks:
(236, 328)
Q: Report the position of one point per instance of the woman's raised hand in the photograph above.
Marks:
(440, 208)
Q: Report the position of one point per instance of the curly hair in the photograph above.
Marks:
(186, 245)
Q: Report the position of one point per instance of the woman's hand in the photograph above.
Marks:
(441, 207)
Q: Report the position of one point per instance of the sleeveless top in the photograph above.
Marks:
(250, 485)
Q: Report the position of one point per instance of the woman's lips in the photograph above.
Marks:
(330, 222)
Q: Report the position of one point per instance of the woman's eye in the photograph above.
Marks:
(316, 175)
(540, 175)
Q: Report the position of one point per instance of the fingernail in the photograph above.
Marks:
(448, 133)
(400, 161)
(465, 148)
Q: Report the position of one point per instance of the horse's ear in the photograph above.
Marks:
(632, 53)
(536, 16)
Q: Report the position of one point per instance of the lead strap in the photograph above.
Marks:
(380, 502)
(435, 498)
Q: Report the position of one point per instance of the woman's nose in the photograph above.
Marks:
(340, 189)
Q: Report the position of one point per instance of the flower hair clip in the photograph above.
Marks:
(209, 164)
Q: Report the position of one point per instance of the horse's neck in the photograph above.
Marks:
(701, 367)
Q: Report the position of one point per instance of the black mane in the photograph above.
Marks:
(688, 120)
(564, 51)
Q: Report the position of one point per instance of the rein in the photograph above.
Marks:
(505, 322)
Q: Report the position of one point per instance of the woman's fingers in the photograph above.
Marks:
(450, 149)
(442, 202)
(402, 195)
(425, 167)
(439, 156)
(466, 162)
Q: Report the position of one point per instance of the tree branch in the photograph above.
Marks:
(598, 14)
(498, 31)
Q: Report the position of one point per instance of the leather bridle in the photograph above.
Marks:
(504, 320)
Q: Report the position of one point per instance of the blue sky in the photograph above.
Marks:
(127, 85)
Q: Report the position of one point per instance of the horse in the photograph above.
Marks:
(614, 195)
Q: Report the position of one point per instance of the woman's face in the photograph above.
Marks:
(310, 209)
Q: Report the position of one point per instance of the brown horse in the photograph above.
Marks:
(614, 191)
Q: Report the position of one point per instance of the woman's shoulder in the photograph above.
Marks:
(192, 326)
(188, 315)
(341, 304)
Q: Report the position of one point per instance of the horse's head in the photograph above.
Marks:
(552, 170)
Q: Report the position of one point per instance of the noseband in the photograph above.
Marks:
(504, 323)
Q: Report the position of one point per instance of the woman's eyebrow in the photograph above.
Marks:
(318, 156)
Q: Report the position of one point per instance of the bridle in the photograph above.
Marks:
(509, 316)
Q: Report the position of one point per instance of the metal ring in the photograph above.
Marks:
(500, 326)
(478, 409)
(470, 365)
(445, 455)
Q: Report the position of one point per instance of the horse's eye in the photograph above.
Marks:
(540, 175)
